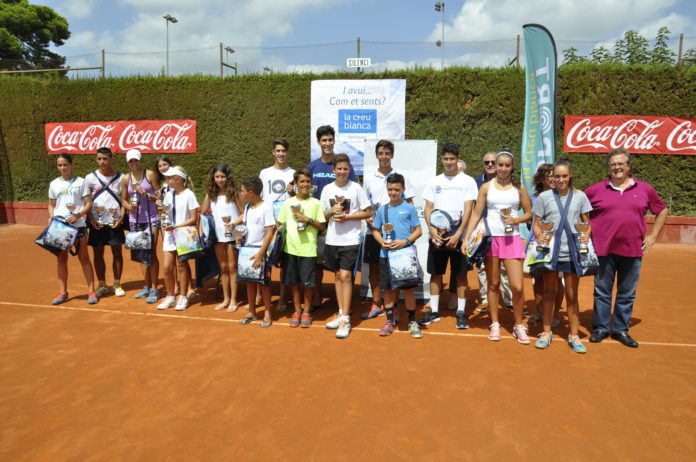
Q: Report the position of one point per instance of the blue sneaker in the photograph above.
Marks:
(153, 296)
(92, 298)
(575, 343)
(143, 293)
(544, 340)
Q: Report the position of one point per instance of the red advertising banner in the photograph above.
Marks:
(160, 136)
(636, 134)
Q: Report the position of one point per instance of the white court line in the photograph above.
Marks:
(235, 321)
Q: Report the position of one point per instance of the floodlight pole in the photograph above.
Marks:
(167, 19)
(440, 6)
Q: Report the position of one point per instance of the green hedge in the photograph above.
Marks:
(238, 117)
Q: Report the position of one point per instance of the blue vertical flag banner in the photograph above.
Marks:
(358, 110)
(539, 136)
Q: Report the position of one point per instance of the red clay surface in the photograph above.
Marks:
(121, 381)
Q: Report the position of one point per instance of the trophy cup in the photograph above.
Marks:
(240, 231)
(112, 216)
(582, 229)
(506, 213)
(226, 220)
(297, 208)
(546, 228)
(134, 199)
(166, 221)
(100, 215)
(159, 202)
(312, 190)
(70, 205)
(388, 228)
(340, 200)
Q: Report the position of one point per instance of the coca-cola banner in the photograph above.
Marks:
(636, 134)
(160, 136)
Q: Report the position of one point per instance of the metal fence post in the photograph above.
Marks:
(517, 54)
(681, 47)
(221, 71)
(358, 50)
(102, 64)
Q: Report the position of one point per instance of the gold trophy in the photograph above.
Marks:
(388, 228)
(240, 231)
(546, 227)
(70, 205)
(506, 213)
(582, 228)
(226, 220)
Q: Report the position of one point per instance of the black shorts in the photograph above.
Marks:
(299, 270)
(338, 257)
(438, 259)
(81, 232)
(106, 236)
(371, 250)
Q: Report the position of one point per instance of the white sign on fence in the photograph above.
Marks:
(359, 62)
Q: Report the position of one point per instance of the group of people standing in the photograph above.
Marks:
(320, 210)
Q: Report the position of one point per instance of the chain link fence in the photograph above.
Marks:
(230, 60)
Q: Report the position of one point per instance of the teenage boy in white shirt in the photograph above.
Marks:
(345, 205)
(375, 184)
(277, 183)
(454, 193)
(104, 186)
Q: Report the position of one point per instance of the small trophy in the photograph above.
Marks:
(340, 200)
(240, 231)
(546, 227)
(112, 216)
(166, 221)
(226, 220)
(134, 199)
(388, 228)
(70, 205)
(312, 190)
(582, 229)
(100, 209)
(160, 204)
(506, 213)
(297, 208)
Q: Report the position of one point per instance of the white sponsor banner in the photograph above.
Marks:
(415, 160)
(358, 110)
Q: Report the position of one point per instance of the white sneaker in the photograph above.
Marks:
(182, 304)
(168, 302)
(335, 322)
(343, 329)
(118, 290)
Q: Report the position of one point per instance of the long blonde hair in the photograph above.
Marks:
(188, 183)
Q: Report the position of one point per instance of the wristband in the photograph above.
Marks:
(409, 243)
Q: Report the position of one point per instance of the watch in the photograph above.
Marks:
(310, 222)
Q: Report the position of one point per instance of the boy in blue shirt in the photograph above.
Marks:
(404, 218)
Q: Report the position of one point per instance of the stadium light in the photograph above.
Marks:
(169, 19)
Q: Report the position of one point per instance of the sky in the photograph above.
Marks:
(319, 35)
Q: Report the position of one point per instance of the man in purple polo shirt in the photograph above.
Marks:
(619, 205)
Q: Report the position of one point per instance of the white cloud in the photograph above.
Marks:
(76, 9)
(566, 19)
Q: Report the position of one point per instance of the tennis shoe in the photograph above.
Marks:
(343, 329)
(61, 297)
(494, 333)
(428, 318)
(168, 302)
(305, 320)
(118, 290)
(462, 322)
(101, 291)
(295, 319)
(577, 345)
(92, 298)
(143, 293)
(334, 323)
(182, 304)
(414, 330)
(153, 296)
(387, 329)
(544, 340)
(520, 333)
(375, 310)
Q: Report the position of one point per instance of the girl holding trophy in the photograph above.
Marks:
(503, 196)
(180, 209)
(138, 197)
(68, 197)
(552, 206)
(223, 200)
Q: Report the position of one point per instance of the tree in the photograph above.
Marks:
(601, 55)
(571, 56)
(26, 31)
(632, 49)
(661, 54)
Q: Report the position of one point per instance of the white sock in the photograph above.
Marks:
(434, 303)
(345, 318)
(461, 305)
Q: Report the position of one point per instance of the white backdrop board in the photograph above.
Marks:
(416, 160)
(358, 110)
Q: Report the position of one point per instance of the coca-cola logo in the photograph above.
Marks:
(149, 136)
(649, 135)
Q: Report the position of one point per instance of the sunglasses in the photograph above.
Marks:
(488, 162)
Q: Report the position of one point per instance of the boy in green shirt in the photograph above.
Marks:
(303, 217)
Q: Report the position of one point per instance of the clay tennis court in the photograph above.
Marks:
(122, 381)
